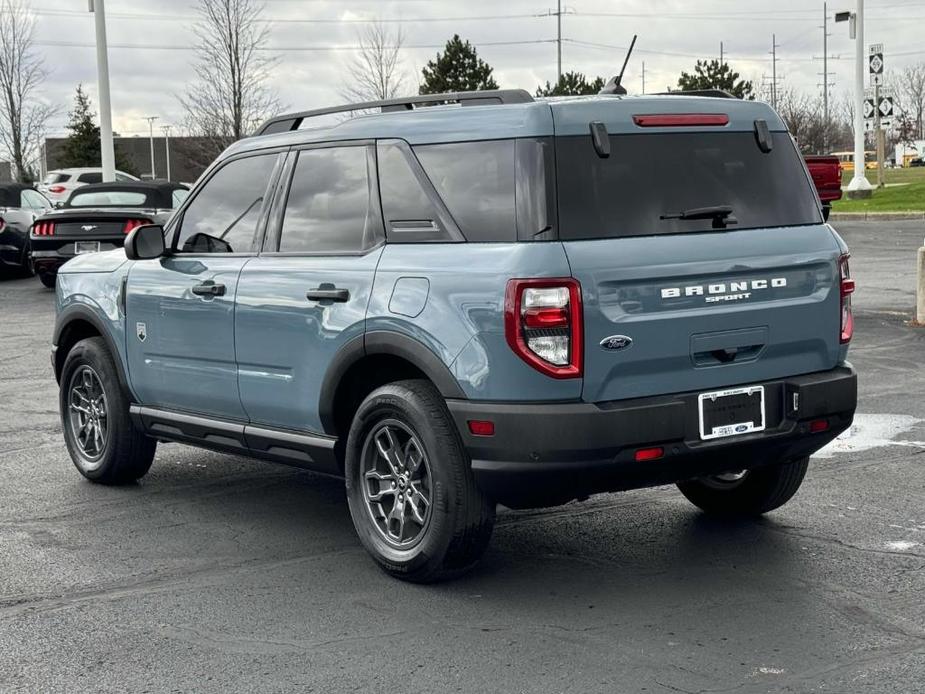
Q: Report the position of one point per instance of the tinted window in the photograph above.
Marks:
(405, 205)
(121, 198)
(55, 178)
(476, 181)
(223, 216)
(329, 208)
(92, 177)
(123, 177)
(179, 195)
(650, 176)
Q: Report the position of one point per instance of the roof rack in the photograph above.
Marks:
(716, 93)
(293, 121)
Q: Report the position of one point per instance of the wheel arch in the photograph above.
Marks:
(77, 323)
(372, 360)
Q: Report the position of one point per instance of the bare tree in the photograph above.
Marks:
(230, 96)
(912, 95)
(375, 72)
(22, 116)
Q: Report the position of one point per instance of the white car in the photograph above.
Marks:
(58, 183)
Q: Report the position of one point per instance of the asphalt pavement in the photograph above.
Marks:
(219, 574)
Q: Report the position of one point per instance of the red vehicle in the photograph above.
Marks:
(825, 170)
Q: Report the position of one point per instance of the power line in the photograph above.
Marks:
(169, 47)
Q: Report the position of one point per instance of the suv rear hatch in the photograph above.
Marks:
(699, 245)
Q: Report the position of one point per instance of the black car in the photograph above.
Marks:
(918, 161)
(19, 206)
(97, 217)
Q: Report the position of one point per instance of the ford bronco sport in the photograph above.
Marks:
(462, 300)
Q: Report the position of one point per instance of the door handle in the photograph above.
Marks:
(209, 288)
(328, 292)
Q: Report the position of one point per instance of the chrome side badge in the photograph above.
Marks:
(616, 342)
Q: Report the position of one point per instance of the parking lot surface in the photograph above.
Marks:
(216, 573)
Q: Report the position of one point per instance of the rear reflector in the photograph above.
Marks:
(817, 426)
(644, 454)
(481, 427)
(673, 120)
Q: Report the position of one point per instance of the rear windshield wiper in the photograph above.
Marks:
(720, 214)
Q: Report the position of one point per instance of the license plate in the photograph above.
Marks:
(731, 412)
(86, 247)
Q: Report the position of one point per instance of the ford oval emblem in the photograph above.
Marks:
(741, 428)
(616, 342)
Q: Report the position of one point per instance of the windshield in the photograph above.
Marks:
(669, 183)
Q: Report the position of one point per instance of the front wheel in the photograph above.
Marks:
(103, 443)
(412, 495)
(746, 493)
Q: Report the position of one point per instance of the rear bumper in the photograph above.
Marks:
(546, 454)
(50, 253)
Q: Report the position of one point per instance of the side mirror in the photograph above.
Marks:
(145, 242)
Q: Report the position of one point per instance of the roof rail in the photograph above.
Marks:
(716, 93)
(293, 121)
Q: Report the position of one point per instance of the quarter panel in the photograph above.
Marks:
(462, 319)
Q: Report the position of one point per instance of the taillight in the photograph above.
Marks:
(847, 289)
(44, 229)
(2, 223)
(56, 189)
(543, 324)
(131, 224)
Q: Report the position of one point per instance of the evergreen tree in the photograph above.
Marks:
(711, 74)
(458, 69)
(82, 146)
(572, 84)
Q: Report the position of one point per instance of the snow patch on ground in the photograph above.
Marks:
(872, 431)
(901, 545)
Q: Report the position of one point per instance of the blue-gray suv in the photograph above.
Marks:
(461, 300)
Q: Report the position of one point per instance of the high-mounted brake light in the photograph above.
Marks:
(846, 290)
(543, 324)
(44, 229)
(669, 120)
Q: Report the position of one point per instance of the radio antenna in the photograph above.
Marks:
(613, 86)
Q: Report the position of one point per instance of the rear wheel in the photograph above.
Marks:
(749, 492)
(27, 267)
(101, 439)
(410, 488)
(48, 279)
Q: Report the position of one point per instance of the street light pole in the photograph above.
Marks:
(166, 129)
(107, 150)
(859, 187)
(151, 120)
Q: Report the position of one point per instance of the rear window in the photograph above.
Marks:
(92, 177)
(649, 176)
(116, 198)
(52, 178)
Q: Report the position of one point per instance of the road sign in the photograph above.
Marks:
(886, 107)
(875, 63)
(869, 109)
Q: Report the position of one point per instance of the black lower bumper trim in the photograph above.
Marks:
(546, 454)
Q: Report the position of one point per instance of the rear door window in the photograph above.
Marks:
(331, 207)
(476, 181)
(91, 177)
(648, 177)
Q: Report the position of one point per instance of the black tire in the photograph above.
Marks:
(125, 454)
(48, 279)
(460, 517)
(758, 491)
(27, 268)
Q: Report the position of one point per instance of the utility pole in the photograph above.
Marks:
(825, 78)
(643, 76)
(151, 120)
(774, 71)
(559, 42)
(107, 150)
(166, 129)
(720, 53)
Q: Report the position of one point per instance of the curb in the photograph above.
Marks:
(874, 216)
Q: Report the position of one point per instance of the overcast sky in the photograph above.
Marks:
(152, 45)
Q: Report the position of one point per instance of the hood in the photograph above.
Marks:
(105, 261)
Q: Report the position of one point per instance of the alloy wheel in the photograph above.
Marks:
(88, 414)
